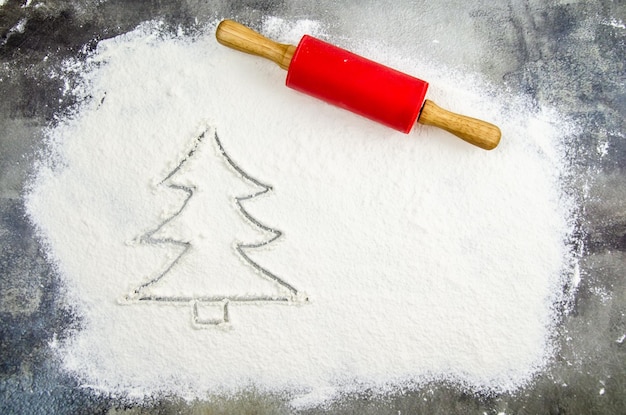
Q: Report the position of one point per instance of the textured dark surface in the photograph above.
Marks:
(570, 55)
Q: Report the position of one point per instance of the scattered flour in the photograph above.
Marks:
(421, 256)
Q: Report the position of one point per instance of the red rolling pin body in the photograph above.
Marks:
(357, 84)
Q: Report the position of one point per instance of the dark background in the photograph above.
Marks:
(569, 55)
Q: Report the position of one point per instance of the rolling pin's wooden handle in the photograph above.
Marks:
(237, 36)
(474, 131)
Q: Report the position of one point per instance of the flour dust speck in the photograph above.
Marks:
(401, 259)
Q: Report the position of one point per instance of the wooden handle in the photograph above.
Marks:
(474, 131)
(244, 39)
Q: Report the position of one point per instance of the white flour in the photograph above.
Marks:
(422, 257)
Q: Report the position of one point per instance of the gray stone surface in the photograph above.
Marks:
(570, 54)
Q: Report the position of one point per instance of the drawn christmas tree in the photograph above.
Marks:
(212, 268)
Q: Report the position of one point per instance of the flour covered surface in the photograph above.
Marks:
(297, 247)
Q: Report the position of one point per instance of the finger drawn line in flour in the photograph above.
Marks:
(284, 293)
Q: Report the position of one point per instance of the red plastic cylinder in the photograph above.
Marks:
(360, 85)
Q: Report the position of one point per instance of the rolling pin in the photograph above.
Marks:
(357, 84)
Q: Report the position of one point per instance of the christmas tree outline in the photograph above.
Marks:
(138, 295)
